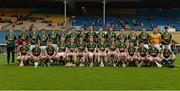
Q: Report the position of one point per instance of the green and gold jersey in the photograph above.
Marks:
(36, 51)
(111, 34)
(143, 37)
(34, 36)
(153, 51)
(24, 49)
(166, 38)
(91, 47)
(166, 53)
(72, 35)
(63, 35)
(100, 35)
(81, 34)
(11, 38)
(53, 36)
(81, 46)
(122, 36)
(62, 47)
(112, 45)
(122, 47)
(91, 34)
(22, 37)
(133, 38)
(131, 51)
(43, 40)
(71, 47)
(142, 51)
(50, 50)
(102, 46)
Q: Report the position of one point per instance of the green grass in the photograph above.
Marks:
(81, 78)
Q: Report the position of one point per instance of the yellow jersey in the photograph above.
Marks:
(155, 38)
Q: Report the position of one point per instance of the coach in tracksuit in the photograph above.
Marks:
(11, 41)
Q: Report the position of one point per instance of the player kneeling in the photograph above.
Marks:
(154, 56)
(23, 54)
(142, 52)
(36, 55)
(131, 57)
(168, 57)
(49, 54)
(71, 55)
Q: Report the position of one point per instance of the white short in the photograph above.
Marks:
(54, 45)
(169, 46)
(146, 46)
(122, 54)
(31, 47)
(158, 46)
(90, 54)
(61, 54)
(102, 54)
(43, 48)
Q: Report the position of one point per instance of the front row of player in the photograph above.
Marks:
(92, 54)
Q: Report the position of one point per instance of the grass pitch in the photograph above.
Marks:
(13, 77)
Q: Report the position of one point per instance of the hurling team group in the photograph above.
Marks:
(94, 48)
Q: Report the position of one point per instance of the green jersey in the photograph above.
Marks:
(91, 34)
(72, 35)
(36, 51)
(166, 38)
(22, 37)
(62, 47)
(81, 46)
(166, 53)
(122, 36)
(50, 50)
(142, 51)
(133, 38)
(102, 46)
(24, 49)
(63, 35)
(111, 34)
(143, 37)
(91, 47)
(34, 38)
(131, 51)
(81, 34)
(53, 36)
(71, 47)
(43, 40)
(153, 51)
(101, 35)
(11, 38)
(112, 45)
(122, 47)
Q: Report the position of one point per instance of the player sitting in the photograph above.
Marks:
(81, 46)
(23, 54)
(154, 55)
(121, 51)
(131, 57)
(36, 55)
(91, 51)
(102, 52)
(112, 52)
(142, 53)
(71, 55)
(168, 57)
(61, 50)
(50, 54)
